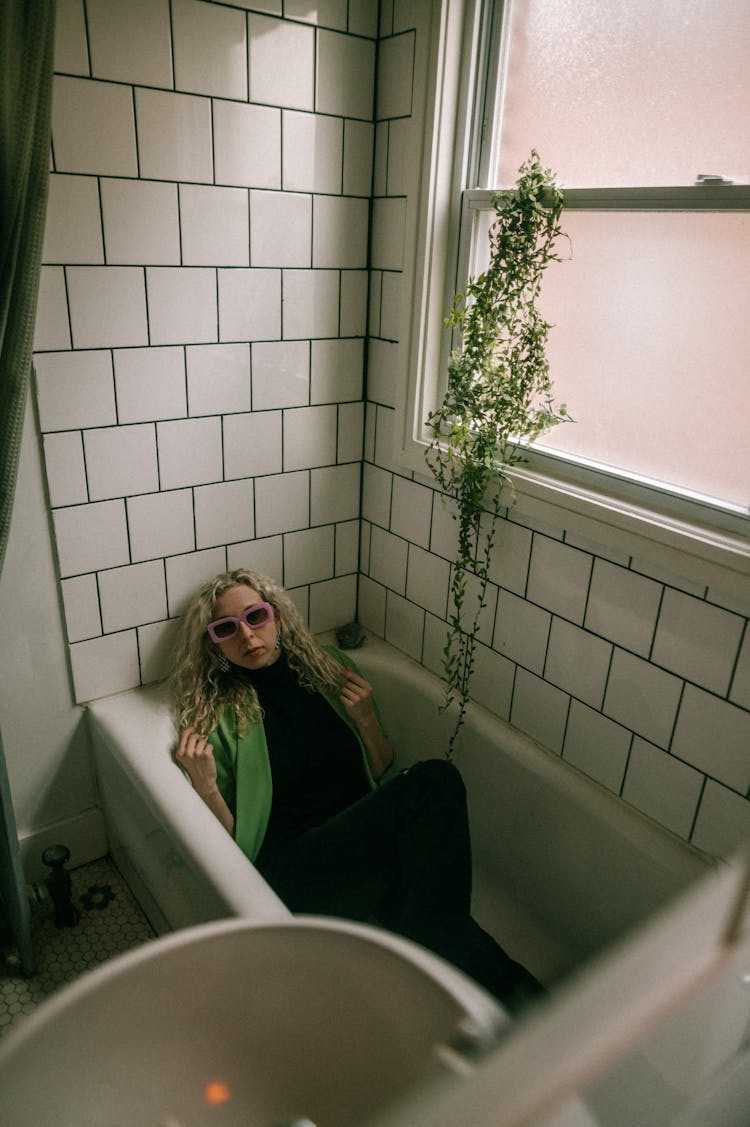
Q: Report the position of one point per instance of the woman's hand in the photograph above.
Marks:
(195, 754)
(357, 698)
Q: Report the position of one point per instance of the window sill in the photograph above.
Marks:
(683, 547)
(688, 548)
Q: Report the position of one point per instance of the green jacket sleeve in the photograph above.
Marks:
(243, 776)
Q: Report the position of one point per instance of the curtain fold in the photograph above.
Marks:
(26, 65)
(26, 62)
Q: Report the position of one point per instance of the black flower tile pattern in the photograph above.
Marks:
(110, 922)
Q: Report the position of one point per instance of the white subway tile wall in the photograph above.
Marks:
(81, 602)
(63, 455)
(107, 146)
(105, 665)
(74, 231)
(200, 339)
(52, 329)
(351, 418)
(130, 43)
(107, 306)
(344, 75)
(330, 13)
(210, 50)
(282, 64)
(249, 305)
(140, 220)
(312, 152)
(210, 276)
(149, 384)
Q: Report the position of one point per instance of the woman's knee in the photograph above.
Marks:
(439, 777)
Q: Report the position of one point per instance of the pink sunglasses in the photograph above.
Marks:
(254, 617)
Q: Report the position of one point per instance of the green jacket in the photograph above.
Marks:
(243, 769)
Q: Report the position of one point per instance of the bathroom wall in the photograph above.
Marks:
(217, 175)
(200, 345)
(636, 676)
(44, 734)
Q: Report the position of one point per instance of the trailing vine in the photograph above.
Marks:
(499, 399)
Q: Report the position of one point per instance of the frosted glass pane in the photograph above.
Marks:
(632, 93)
(650, 345)
(650, 348)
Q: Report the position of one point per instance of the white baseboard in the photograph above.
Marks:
(84, 835)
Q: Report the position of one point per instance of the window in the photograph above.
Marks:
(642, 111)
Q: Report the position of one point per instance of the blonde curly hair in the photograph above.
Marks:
(202, 691)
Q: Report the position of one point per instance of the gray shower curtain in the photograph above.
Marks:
(26, 63)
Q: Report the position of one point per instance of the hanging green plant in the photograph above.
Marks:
(499, 398)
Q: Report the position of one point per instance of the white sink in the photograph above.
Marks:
(239, 1022)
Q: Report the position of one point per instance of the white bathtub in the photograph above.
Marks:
(562, 867)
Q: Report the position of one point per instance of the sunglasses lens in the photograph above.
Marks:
(256, 616)
(224, 629)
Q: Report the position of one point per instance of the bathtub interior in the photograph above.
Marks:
(562, 868)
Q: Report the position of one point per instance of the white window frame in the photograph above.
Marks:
(680, 534)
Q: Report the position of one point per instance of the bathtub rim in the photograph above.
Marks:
(176, 805)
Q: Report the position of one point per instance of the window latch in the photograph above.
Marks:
(712, 178)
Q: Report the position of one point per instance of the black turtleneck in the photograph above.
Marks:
(316, 760)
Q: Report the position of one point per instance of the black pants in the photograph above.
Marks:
(401, 856)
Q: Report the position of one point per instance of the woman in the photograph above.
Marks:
(282, 740)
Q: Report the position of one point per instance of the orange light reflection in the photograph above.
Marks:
(216, 1092)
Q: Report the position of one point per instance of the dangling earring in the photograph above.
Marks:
(278, 639)
(222, 662)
